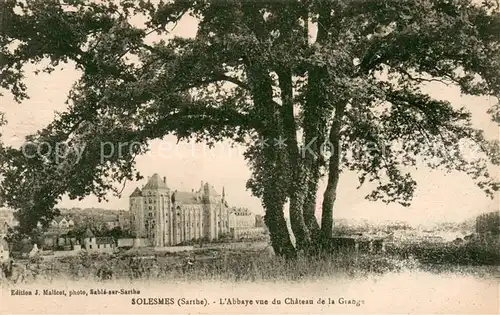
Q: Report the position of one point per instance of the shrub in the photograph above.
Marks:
(467, 253)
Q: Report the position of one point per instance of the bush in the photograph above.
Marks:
(469, 253)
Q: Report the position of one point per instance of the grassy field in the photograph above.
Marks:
(225, 265)
(253, 263)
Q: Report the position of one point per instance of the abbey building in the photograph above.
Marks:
(168, 218)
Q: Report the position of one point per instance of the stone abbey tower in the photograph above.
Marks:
(168, 218)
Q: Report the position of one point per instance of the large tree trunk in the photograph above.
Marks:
(297, 221)
(330, 194)
(276, 164)
(273, 198)
(315, 124)
(316, 113)
(310, 206)
(298, 185)
(278, 230)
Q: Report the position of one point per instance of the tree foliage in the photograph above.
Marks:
(348, 98)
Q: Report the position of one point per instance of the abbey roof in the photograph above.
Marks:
(155, 182)
(185, 197)
(137, 193)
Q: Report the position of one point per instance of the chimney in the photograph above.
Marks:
(165, 179)
(192, 190)
(149, 177)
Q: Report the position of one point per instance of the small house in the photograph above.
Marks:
(61, 222)
(92, 243)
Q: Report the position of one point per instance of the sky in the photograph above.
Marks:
(439, 196)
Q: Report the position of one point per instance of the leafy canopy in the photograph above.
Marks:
(252, 72)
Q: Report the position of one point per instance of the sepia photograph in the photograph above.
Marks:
(249, 156)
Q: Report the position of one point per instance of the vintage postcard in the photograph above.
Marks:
(249, 157)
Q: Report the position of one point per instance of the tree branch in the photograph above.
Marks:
(419, 79)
